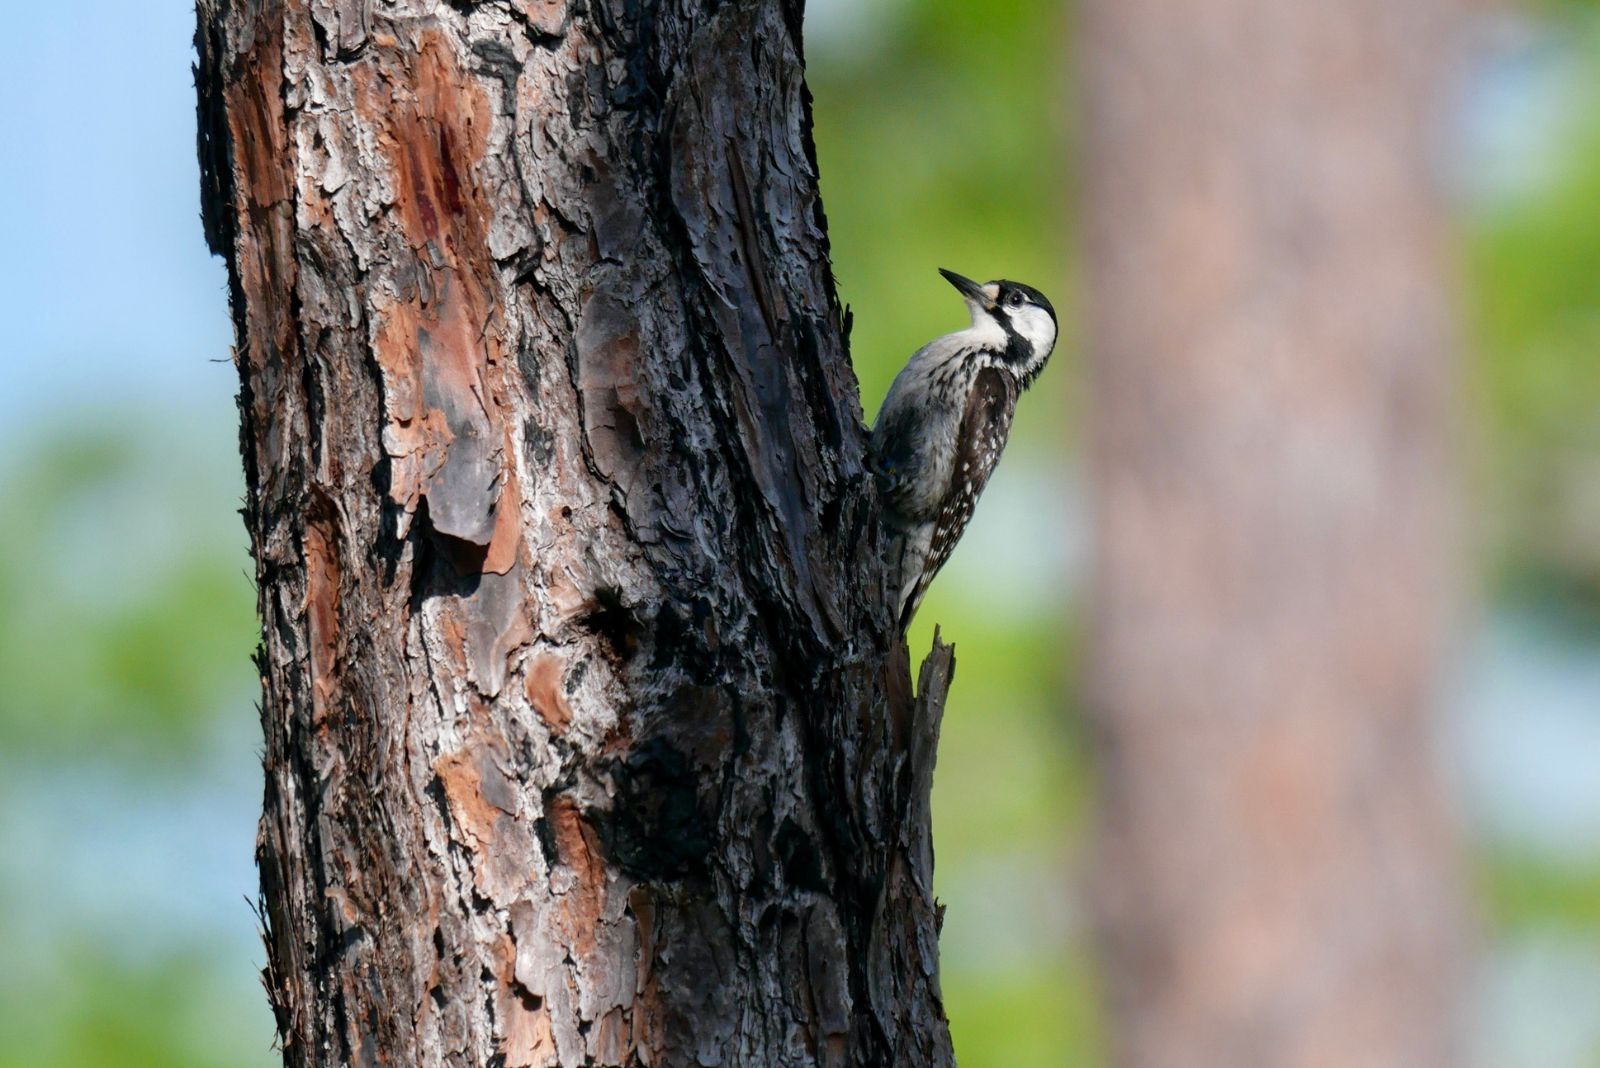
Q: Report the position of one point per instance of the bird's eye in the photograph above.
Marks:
(1016, 300)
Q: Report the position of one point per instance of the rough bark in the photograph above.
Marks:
(1271, 390)
(587, 739)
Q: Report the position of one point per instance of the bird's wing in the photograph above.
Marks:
(895, 441)
(985, 426)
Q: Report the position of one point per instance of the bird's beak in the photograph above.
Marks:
(968, 288)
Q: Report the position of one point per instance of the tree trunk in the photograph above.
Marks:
(588, 740)
(1276, 876)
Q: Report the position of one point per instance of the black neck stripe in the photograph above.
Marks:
(1018, 350)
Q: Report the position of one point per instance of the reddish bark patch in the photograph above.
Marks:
(543, 686)
(578, 848)
(507, 537)
(463, 787)
(264, 254)
(438, 343)
(322, 614)
(256, 123)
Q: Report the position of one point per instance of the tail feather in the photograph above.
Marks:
(908, 559)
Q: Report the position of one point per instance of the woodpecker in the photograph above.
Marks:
(945, 422)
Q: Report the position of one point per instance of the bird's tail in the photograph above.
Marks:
(907, 574)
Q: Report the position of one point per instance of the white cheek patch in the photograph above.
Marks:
(1036, 325)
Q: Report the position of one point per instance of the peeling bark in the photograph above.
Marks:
(589, 739)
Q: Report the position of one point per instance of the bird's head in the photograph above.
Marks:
(1018, 318)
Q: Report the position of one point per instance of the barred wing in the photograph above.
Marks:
(985, 426)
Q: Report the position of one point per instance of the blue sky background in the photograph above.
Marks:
(108, 290)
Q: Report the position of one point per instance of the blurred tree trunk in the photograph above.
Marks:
(1276, 879)
(586, 738)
